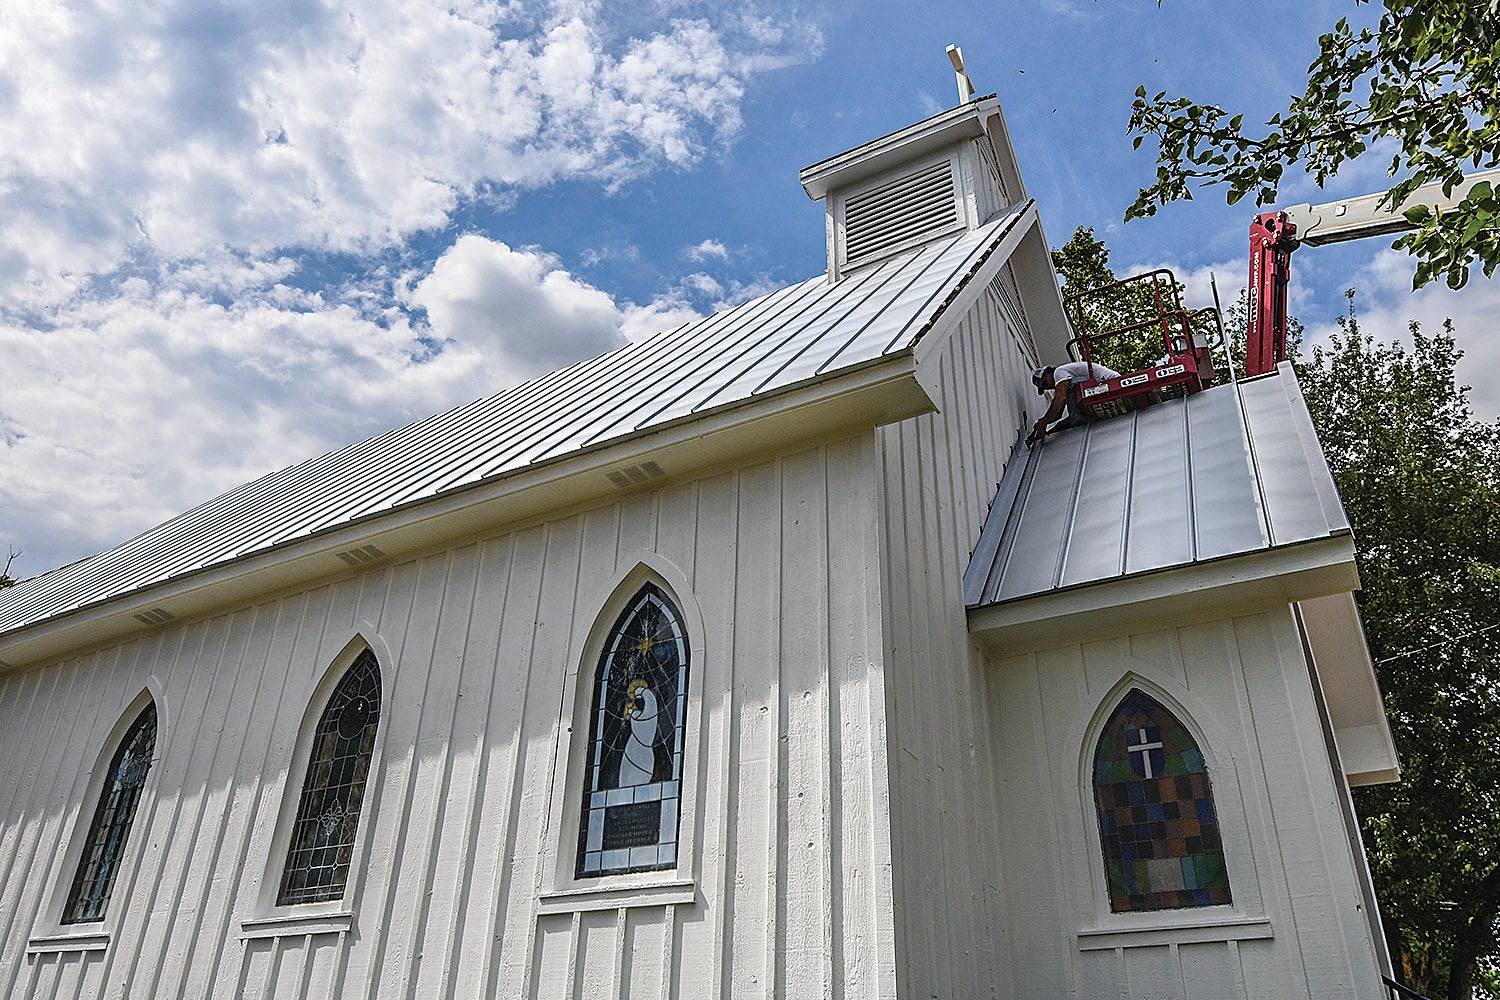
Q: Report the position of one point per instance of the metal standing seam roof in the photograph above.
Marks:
(799, 334)
(1228, 471)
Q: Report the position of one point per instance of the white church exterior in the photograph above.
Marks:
(753, 660)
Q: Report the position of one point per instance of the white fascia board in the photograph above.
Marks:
(1350, 690)
(931, 340)
(1268, 577)
(938, 132)
(878, 392)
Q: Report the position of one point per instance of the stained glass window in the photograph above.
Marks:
(633, 783)
(1160, 833)
(118, 799)
(322, 846)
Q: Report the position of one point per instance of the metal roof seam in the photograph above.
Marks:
(891, 273)
(982, 251)
(919, 262)
(1192, 498)
(1072, 515)
(812, 288)
(1012, 520)
(1004, 227)
(1122, 562)
(1262, 507)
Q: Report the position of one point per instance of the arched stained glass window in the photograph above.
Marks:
(322, 844)
(118, 799)
(1157, 823)
(634, 777)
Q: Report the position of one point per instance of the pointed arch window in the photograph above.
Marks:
(633, 782)
(99, 863)
(1157, 823)
(322, 840)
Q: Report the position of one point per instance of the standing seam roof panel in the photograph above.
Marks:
(766, 344)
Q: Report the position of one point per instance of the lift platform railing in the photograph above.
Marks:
(1109, 313)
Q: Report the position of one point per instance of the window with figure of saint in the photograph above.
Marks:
(322, 843)
(633, 781)
(1157, 824)
(100, 861)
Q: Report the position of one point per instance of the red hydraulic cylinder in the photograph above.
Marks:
(1272, 240)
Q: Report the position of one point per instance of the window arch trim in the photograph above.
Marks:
(264, 917)
(631, 815)
(331, 802)
(74, 912)
(1188, 843)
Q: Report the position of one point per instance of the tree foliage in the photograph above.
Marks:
(1418, 478)
(1423, 87)
(6, 580)
(1083, 265)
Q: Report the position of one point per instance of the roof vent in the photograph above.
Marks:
(634, 475)
(361, 555)
(155, 616)
(900, 213)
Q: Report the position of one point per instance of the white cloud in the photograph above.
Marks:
(708, 250)
(165, 173)
(129, 408)
(1386, 304)
(290, 124)
(519, 306)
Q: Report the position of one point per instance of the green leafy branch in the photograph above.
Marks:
(1430, 80)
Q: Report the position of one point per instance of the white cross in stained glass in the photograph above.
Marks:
(1136, 742)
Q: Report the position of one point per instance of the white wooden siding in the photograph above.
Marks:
(940, 473)
(477, 645)
(1295, 927)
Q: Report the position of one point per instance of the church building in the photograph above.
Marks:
(761, 658)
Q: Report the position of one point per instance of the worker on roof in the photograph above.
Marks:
(1063, 381)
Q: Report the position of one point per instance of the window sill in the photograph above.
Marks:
(619, 897)
(51, 943)
(296, 925)
(1183, 932)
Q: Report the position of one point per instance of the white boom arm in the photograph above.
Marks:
(1356, 218)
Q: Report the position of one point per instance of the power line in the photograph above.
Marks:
(1435, 645)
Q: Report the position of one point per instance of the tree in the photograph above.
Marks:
(6, 580)
(1417, 476)
(1083, 265)
(1425, 83)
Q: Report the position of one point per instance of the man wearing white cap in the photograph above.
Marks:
(1064, 381)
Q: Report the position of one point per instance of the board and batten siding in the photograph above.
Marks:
(480, 648)
(940, 474)
(1240, 683)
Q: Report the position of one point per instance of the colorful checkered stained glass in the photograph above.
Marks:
(1157, 823)
(634, 780)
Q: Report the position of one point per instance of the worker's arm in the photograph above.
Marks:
(1059, 399)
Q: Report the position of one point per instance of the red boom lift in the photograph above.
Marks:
(1185, 365)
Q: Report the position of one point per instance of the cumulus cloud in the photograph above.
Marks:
(708, 250)
(176, 181)
(520, 307)
(1386, 305)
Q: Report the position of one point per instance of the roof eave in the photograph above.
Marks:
(940, 131)
(880, 391)
(1294, 572)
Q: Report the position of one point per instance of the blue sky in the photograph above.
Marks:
(241, 234)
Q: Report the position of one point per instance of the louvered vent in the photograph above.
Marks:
(911, 209)
(155, 616)
(359, 556)
(632, 475)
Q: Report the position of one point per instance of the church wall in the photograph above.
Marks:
(465, 848)
(1239, 683)
(940, 475)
